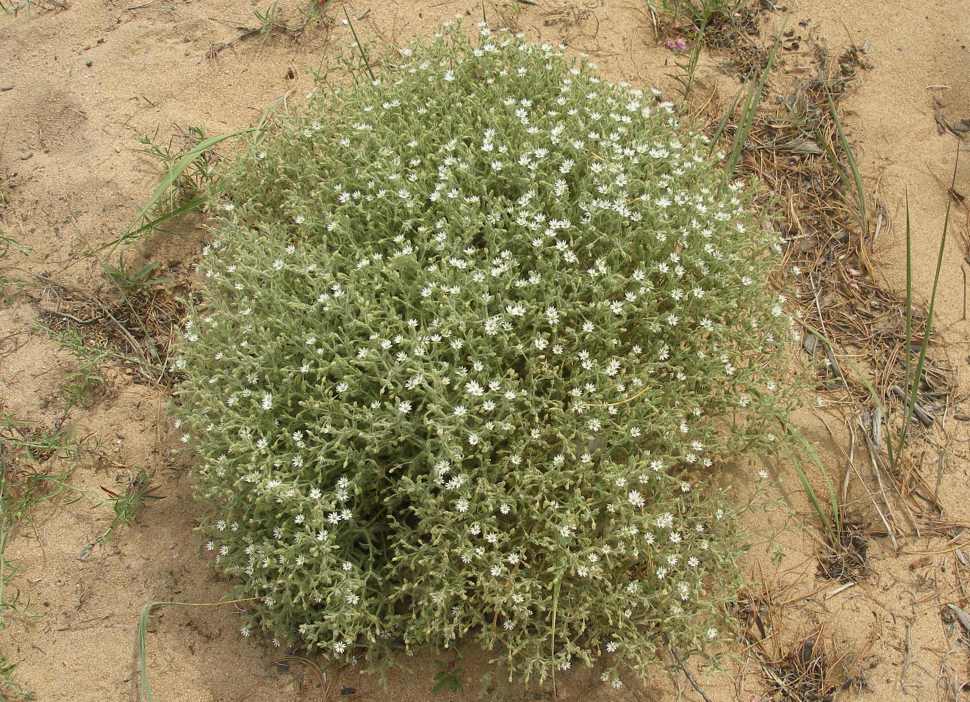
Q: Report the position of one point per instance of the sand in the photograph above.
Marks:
(80, 83)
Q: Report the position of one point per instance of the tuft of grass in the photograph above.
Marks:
(844, 548)
(184, 187)
(26, 481)
(448, 678)
(10, 690)
(810, 671)
(269, 19)
(686, 81)
(698, 13)
(129, 280)
(140, 290)
(85, 383)
(126, 506)
(829, 516)
(806, 667)
(844, 555)
(129, 503)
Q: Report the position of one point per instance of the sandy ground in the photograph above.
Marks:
(80, 83)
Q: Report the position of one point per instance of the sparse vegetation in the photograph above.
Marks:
(10, 690)
(27, 478)
(85, 382)
(126, 504)
(860, 488)
(699, 13)
(797, 667)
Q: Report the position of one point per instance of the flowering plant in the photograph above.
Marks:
(470, 335)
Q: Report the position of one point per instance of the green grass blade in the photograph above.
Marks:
(144, 684)
(853, 165)
(750, 108)
(695, 55)
(918, 374)
(360, 47)
(191, 205)
(723, 122)
(145, 693)
(176, 170)
(830, 523)
(167, 181)
(909, 314)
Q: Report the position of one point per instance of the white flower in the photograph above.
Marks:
(404, 407)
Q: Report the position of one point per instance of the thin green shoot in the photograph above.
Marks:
(268, 18)
(130, 280)
(853, 166)
(10, 690)
(917, 378)
(830, 518)
(7, 243)
(750, 108)
(167, 181)
(693, 59)
(360, 47)
(126, 506)
(723, 122)
(141, 639)
(909, 313)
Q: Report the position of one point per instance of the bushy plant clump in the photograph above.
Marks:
(469, 336)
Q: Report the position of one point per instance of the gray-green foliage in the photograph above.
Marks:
(471, 335)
